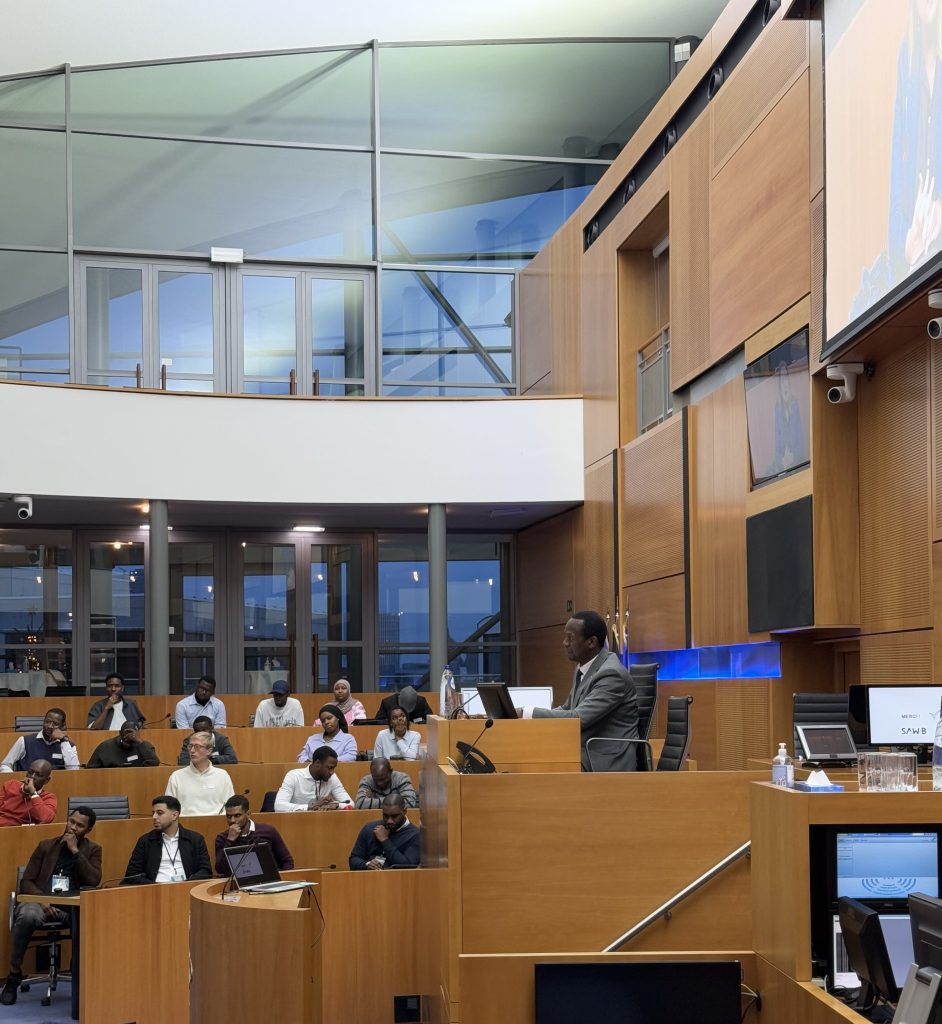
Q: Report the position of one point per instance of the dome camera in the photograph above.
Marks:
(24, 506)
(847, 374)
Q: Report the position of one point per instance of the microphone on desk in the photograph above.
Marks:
(109, 882)
(144, 722)
(475, 761)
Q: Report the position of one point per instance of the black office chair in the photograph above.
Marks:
(28, 723)
(46, 937)
(268, 801)
(676, 740)
(817, 709)
(645, 679)
(106, 808)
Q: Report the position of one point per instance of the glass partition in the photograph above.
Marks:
(268, 614)
(116, 611)
(300, 97)
(337, 613)
(34, 316)
(39, 99)
(186, 303)
(32, 199)
(114, 324)
(192, 614)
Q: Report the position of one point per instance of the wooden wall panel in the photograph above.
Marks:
(657, 614)
(894, 468)
(637, 323)
(904, 657)
(718, 487)
(935, 368)
(544, 577)
(816, 326)
(534, 319)
(690, 253)
(542, 661)
(652, 504)
(599, 557)
(760, 225)
(774, 64)
(816, 98)
(742, 722)
(600, 349)
(836, 532)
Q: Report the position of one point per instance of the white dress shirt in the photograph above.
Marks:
(299, 789)
(69, 755)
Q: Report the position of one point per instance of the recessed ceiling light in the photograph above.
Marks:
(298, 528)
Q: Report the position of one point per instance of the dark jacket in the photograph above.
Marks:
(111, 754)
(223, 752)
(145, 858)
(132, 714)
(264, 834)
(422, 709)
(401, 849)
(368, 796)
(42, 863)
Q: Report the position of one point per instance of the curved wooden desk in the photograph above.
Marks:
(255, 957)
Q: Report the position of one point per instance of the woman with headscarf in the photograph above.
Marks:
(352, 709)
(333, 734)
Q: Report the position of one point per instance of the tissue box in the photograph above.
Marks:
(832, 787)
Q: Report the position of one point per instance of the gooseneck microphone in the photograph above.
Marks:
(466, 765)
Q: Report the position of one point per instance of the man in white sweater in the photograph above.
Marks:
(201, 787)
(279, 709)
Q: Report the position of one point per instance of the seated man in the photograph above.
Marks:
(169, 852)
(126, 750)
(413, 703)
(201, 787)
(390, 843)
(50, 744)
(223, 751)
(242, 830)
(115, 709)
(382, 782)
(28, 802)
(315, 788)
(279, 709)
(201, 702)
(65, 863)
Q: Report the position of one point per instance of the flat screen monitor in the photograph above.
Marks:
(521, 696)
(899, 945)
(778, 399)
(251, 864)
(705, 991)
(867, 955)
(886, 866)
(925, 915)
(899, 715)
(826, 742)
(496, 700)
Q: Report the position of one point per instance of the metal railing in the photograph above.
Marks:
(665, 909)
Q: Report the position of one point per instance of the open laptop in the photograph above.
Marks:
(253, 869)
(827, 744)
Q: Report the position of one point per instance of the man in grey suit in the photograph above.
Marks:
(602, 697)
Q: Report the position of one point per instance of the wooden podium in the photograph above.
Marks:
(255, 957)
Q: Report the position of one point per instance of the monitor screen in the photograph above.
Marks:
(878, 866)
(826, 742)
(903, 714)
(496, 700)
(867, 953)
(252, 863)
(705, 991)
(522, 696)
(925, 915)
(899, 944)
(778, 398)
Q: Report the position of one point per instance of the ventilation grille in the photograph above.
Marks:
(901, 658)
(776, 61)
(743, 717)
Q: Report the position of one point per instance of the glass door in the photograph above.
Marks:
(195, 627)
(336, 614)
(268, 615)
(117, 610)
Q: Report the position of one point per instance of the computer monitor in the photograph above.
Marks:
(496, 700)
(251, 864)
(885, 867)
(867, 953)
(899, 946)
(925, 919)
(902, 715)
(522, 696)
(826, 742)
(705, 991)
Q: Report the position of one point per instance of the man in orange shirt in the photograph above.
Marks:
(28, 802)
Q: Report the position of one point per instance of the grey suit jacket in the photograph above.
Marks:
(606, 704)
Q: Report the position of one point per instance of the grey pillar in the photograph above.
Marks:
(158, 601)
(437, 595)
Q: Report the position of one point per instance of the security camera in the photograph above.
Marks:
(848, 373)
(24, 506)
(934, 328)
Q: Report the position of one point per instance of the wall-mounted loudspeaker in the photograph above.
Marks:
(716, 80)
(771, 6)
(670, 138)
(631, 186)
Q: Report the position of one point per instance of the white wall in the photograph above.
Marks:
(40, 33)
(111, 444)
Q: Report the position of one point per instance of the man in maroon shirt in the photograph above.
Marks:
(28, 802)
(242, 831)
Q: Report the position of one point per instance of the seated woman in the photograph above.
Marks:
(399, 740)
(352, 709)
(333, 734)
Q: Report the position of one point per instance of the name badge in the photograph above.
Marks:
(60, 883)
(178, 875)
(133, 757)
(57, 757)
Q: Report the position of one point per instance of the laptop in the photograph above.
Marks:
(827, 743)
(254, 870)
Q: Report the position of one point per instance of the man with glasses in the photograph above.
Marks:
(201, 787)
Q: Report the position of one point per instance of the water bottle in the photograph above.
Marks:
(448, 694)
(783, 768)
(937, 755)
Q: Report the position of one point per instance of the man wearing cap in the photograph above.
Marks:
(279, 710)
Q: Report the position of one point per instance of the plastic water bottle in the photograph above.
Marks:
(937, 755)
(783, 768)
(448, 694)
